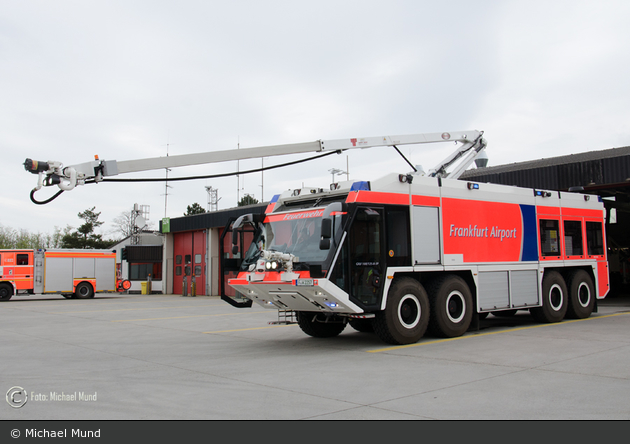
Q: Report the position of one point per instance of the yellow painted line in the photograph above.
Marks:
(182, 317)
(247, 329)
(418, 344)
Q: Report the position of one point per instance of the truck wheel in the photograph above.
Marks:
(319, 325)
(581, 295)
(6, 291)
(451, 306)
(84, 291)
(406, 315)
(554, 302)
(362, 325)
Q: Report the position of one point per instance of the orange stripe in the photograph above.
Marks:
(548, 210)
(378, 197)
(80, 255)
(427, 201)
(582, 212)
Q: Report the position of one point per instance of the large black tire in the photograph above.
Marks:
(319, 325)
(406, 315)
(555, 299)
(84, 291)
(362, 325)
(6, 291)
(451, 306)
(581, 295)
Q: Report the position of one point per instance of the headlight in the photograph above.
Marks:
(272, 265)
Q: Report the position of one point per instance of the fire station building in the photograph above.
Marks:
(193, 247)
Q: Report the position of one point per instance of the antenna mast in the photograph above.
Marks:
(166, 185)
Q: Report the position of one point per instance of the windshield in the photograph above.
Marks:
(295, 233)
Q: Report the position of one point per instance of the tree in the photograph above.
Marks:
(84, 236)
(11, 238)
(123, 224)
(91, 222)
(248, 199)
(194, 209)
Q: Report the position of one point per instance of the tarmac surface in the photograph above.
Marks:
(168, 357)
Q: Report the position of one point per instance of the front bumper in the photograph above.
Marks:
(293, 291)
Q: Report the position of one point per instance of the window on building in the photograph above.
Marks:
(141, 271)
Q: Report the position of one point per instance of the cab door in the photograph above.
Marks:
(22, 270)
(367, 257)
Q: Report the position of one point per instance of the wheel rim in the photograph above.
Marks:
(455, 306)
(584, 294)
(555, 297)
(409, 311)
(84, 290)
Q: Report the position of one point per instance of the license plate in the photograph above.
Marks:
(305, 282)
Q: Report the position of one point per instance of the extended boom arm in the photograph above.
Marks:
(66, 178)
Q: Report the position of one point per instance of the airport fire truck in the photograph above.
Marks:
(71, 273)
(404, 254)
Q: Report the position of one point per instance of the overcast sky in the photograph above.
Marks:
(135, 79)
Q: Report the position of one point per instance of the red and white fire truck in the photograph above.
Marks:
(411, 252)
(402, 254)
(71, 273)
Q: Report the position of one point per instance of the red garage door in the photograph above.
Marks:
(190, 259)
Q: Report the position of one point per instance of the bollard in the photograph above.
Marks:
(184, 287)
(193, 286)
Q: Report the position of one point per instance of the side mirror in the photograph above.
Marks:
(235, 242)
(326, 228)
(326, 234)
(238, 223)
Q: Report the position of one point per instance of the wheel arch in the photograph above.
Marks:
(80, 282)
(425, 277)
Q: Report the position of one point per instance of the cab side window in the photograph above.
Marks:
(21, 259)
(594, 238)
(573, 238)
(549, 237)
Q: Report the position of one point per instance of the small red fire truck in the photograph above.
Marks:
(71, 273)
